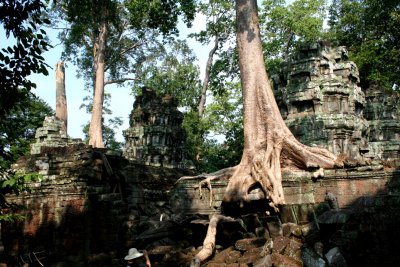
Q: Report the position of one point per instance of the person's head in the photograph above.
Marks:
(133, 254)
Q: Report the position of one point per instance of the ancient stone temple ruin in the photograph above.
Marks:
(52, 134)
(321, 101)
(383, 114)
(155, 136)
(91, 205)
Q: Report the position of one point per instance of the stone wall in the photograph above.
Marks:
(86, 202)
(72, 211)
(348, 185)
(383, 113)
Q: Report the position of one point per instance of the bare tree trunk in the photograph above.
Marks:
(61, 98)
(96, 123)
(203, 94)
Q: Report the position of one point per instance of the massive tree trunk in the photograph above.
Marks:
(268, 143)
(96, 123)
(61, 97)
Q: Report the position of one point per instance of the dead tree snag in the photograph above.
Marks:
(61, 98)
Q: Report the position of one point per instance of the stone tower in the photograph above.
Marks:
(383, 114)
(155, 136)
(321, 101)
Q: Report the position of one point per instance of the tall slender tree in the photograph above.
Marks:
(219, 27)
(105, 37)
(61, 97)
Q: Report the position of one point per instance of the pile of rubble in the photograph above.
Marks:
(335, 237)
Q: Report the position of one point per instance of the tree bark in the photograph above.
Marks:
(96, 123)
(61, 98)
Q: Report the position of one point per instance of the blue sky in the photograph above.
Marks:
(121, 98)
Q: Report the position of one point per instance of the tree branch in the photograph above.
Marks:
(119, 81)
(135, 45)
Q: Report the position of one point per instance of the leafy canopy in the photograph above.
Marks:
(17, 132)
(370, 30)
(171, 70)
(286, 26)
(21, 21)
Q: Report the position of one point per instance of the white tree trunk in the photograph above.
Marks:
(61, 97)
(96, 123)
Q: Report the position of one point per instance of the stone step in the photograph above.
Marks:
(110, 197)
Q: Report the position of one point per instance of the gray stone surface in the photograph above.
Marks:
(383, 113)
(155, 136)
(52, 134)
(321, 102)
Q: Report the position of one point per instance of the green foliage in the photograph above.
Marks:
(17, 130)
(284, 27)
(14, 183)
(160, 14)
(195, 141)
(370, 31)
(216, 140)
(220, 22)
(21, 21)
(224, 70)
(171, 71)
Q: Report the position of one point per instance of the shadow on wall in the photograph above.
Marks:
(81, 231)
(366, 231)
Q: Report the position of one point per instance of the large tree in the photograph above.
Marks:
(104, 37)
(268, 143)
(370, 31)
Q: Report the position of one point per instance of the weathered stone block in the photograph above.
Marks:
(280, 260)
(250, 243)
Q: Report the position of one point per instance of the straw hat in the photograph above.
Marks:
(133, 253)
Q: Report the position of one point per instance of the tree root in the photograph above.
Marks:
(207, 178)
(262, 166)
(318, 173)
(209, 242)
